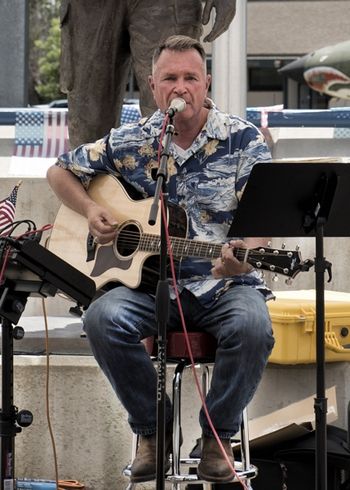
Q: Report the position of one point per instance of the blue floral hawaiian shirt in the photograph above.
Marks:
(206, 180)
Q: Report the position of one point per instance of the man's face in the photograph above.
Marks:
(180, 74)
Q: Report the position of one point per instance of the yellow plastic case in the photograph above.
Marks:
(293, 316)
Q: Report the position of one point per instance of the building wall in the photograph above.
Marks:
(290, 27)
(13, 53)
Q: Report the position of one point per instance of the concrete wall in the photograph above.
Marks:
(36, 201)
(93, 440)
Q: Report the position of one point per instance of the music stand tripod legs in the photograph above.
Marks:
(11, 420)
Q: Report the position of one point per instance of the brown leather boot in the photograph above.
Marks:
(213, 466)
(144, 466)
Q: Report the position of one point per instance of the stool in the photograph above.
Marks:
(203, 346)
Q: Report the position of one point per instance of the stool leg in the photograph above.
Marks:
(245, 449)
(205, 379)
(176, 453)
(131, 486)
(134, 444)
(245, 454)
(205, 389)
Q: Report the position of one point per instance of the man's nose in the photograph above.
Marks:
(180, 87)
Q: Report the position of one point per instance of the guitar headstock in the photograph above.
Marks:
(279, 261)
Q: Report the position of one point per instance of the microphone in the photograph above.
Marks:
(176, 105)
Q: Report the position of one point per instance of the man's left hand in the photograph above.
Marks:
(227, 264)
(225, 12)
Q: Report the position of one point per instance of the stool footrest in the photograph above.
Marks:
(243, 474)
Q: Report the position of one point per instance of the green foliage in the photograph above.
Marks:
(44, 42)
(47, 85)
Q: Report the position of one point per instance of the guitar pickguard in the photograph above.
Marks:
(106, 259)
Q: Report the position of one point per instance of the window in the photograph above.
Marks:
(263, 75)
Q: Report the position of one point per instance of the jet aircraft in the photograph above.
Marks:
(326, 70)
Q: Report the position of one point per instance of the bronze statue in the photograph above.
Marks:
(101, 39)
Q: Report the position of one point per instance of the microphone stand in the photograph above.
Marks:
(162, 303)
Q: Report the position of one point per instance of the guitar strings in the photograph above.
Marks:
(135, 238)
(128, 239)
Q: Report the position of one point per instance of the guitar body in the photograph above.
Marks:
(71, 241)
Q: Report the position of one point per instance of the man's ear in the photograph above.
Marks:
(208, 81)
(151, 82)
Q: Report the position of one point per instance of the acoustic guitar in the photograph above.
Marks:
(136, 242)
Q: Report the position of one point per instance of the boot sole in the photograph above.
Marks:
(144, 478)
(212, 479)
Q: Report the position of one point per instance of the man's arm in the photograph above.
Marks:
(73, 194)
(225, 11)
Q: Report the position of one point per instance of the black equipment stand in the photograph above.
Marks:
(11, 421)
(31, 270)
(298, 199)
(162, 305)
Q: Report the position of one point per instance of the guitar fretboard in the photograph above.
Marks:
(183, 247)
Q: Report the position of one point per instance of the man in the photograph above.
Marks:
(212, 154)
(101, 39)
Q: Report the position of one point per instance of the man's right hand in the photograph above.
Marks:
(102, 225)
(68, 188)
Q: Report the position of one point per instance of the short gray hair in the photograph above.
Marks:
(179, 43)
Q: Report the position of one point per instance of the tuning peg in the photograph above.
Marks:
(289, 281)
(275, 278)
(297, 248)
(283, 246)
(269, 244)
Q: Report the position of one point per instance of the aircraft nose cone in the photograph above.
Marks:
(294, 70)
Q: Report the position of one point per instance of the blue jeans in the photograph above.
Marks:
(239, 320)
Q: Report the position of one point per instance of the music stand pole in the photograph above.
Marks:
(320, 404)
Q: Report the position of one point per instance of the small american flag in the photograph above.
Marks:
(8, 208)
(41, 134)
(130, 113)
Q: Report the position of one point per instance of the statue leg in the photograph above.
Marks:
(95, 65)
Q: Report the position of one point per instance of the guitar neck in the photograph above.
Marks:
(184, 247)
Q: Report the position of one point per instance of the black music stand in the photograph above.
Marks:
(300, 199)
(48, 274)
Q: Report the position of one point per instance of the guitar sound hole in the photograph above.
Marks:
(127, 240)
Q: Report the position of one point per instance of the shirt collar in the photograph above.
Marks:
(217, 125)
